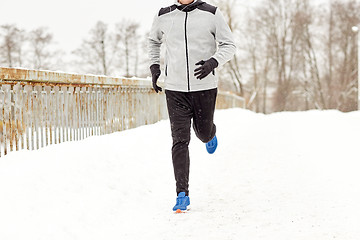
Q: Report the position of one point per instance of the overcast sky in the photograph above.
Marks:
(71, 20)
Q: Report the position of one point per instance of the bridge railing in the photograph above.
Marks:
(40, 108)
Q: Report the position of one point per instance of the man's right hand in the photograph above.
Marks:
(155, 72)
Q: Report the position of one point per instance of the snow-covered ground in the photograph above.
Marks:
(281, 176)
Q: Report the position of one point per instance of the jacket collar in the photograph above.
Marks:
(188, 7)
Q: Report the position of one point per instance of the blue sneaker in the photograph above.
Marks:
(182, 203)
(212, 145)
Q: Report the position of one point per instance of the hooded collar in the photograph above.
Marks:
(188, 7)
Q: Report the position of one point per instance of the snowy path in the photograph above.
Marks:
(283, 176)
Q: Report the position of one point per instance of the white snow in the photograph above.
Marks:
(281, 176)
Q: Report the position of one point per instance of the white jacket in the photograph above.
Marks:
(190, 33)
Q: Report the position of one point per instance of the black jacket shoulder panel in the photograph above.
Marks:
(207, 7)
(167, 10)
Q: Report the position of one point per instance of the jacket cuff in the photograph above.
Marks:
(214, 63)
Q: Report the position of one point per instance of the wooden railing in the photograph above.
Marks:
(40, 108)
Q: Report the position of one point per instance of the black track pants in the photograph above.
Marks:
(182, 107)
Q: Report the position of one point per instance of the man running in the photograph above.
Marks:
(197, 40)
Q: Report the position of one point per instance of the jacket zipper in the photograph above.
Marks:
(187, 52)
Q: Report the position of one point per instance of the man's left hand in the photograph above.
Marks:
(205, 68)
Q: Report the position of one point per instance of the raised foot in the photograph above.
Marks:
(212, 145)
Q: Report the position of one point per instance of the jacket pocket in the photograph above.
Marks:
(213, 72)
(166, 70)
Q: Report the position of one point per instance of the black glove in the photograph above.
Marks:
(155, 72)
(206, 68)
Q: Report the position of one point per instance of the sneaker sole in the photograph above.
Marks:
(183, 211)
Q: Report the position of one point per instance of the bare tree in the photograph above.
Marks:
(40, 41)
(342, 81)
(11, 43)
(311, 87)
(21, 52)
(97, 51)
(251, 46)
(129, 44)
(276, 18)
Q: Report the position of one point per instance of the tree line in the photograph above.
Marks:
(120, 50)
(292, 54)
(295, 54)
(19, 48)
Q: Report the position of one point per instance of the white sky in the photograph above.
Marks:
(71, 20)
